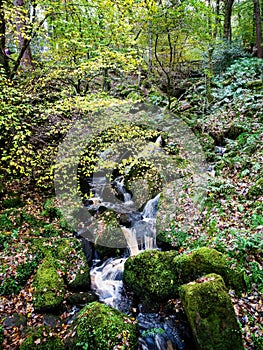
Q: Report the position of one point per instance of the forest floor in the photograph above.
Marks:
(230, 221)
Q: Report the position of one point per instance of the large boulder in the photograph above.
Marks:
(49, 288)
(211, 315)
(158, 275)
(100, 327)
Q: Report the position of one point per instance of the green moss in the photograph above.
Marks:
(49, 289)
(211, 314)
(206, 260)
(74, 263)
(257, 189)
(12, 202)
(100, 327)
(1, 336)
(150, 276)
(158, 275)
(40, 338)
(50, 209)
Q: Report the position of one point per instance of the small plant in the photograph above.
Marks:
(152, 332)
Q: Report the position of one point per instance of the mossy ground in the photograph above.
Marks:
(41, 338)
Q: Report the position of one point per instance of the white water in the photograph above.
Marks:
(106, 279)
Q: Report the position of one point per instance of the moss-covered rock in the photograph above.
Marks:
(211, 314)
(49, 289)
(150, 276)
(74, 263)
(257, 189)
(158, 275)
(41, 338)
(100, 327)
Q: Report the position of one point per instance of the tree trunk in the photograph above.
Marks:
(227, 20)
(150, 49)
(258, 28)
(3, 57)
(26, 60)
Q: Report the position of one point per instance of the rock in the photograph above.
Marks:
(74, 262)
(211, 314)
(15, 320)
(81, 298)
(103, 327)
(49, 288)
(154, 275)
(42, 339)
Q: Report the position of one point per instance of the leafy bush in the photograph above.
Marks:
(225, 53)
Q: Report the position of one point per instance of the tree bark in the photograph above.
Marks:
(26, 59)
(258, 28)
(3, 57)
(227, 20)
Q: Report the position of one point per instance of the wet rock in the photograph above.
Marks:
(81, 298)
(104, 327)
(211, 314)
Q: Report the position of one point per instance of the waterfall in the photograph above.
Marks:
(106, 280)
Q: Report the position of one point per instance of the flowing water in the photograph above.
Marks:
(157, 332)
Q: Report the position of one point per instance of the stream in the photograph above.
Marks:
(157, 331)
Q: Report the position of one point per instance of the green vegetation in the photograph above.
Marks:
(211, 314)
(49, 288)
(42, 338)
(98, 327)
(155, 275)
(99, 61)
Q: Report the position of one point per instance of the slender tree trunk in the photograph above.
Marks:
(150, 50)
(227, 19)
(3, 57)
(26, 60)
(258, 28)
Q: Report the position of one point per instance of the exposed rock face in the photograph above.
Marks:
(211, 314)
(158, 275)
(101, 327)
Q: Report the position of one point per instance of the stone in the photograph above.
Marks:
(155, 275)
(49, 288)
(81, 298)
(74, 262)
(211, 315)
(101, 327)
